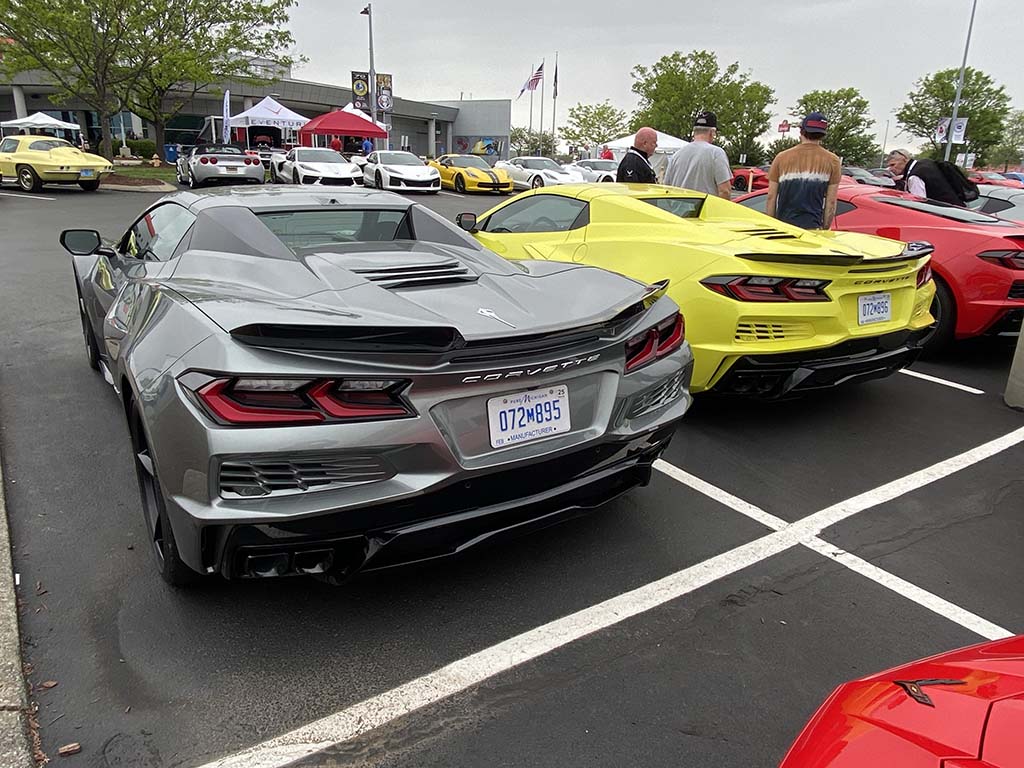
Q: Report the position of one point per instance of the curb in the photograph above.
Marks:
(15, 751)
(162, 186)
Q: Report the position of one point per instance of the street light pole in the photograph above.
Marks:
(960, 83)
(368, 11)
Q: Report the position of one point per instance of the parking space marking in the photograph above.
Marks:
(944, 382)
(451, 194)
(27, 197)
(464, 673)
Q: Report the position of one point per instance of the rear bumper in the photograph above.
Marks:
(489, 508)
(775, 376)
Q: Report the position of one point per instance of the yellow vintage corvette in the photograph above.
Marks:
(771, 309)
(31, 161)
(469, 173)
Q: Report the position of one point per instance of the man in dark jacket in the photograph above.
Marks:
(635, 167)
(921, 177)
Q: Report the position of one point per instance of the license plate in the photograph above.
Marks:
(229, 169)
(86, 173)
(524, 416)
(874, 308)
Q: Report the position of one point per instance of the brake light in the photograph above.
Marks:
(204, 160)
(755, 288)
(1008, 259)
(292, 402)
(654, 343)
(213, 161)
(924, 275)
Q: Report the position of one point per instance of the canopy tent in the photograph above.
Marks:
(341, 122)
(268, 113)
(667, 146)
(354, 110)
(41, 120)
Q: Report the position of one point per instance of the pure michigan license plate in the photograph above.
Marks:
(524, 416)
(86, 173)
(874, 308)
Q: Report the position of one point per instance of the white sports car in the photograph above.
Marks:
(534, 172)
(400, 172)
(313, 165)
(595, 169)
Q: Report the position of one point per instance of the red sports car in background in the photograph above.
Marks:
(963, 709)
(741, 176)
(978, 262)
(991, 177)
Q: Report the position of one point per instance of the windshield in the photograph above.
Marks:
(996, 176)
(399, 158)
(952, 212)
(602, 165)
(319, 156)
(45, 145)
(218, 149)
(543, 164)
(469, 162)
(857, 172)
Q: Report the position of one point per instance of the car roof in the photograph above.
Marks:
(36, 136)
(594, 191)
(285, 197)
(1003, 193)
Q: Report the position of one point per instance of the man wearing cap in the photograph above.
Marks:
(701, 165)
(635, 167)
(803, 181)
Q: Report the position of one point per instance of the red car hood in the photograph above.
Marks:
(975, 718)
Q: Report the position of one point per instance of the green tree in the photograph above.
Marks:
(206, 41)
(594, 124)
(780, 144)
(526, 142)
(674, 89)
(849, 124)
(80, 48)
(982, 101)
(1010, 151)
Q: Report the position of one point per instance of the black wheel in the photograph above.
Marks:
(28, 180)
(607, 178)
(944, 311)
(739, 184)
(92, 349)
(378, 180)
(460, 184)
(537, 182)
(295, 178)
(193, 183)
(90, 186)
(172, 568)
(177, 174)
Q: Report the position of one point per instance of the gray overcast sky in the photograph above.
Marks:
(878, 46)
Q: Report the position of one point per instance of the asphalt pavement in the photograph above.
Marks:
(728, 635)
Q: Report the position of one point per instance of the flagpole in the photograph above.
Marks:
(540, 149)
(554, 99)
(531, 99)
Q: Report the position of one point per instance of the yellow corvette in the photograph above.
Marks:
(31, 161)
(469, 173)
(771, 309)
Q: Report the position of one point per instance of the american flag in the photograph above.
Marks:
(533, 82)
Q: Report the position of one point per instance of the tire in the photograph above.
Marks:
(171, 567)
(378, 180)
(295, 178)
(193, 183)
(537, 182)
(608, 179)
(460, 184)
(944, 311)
(89, 186)
(739, 184)
(92, 349)
(177, 174)
(28, 179)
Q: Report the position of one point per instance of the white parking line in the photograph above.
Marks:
(944, 382)
(27, 197)
(451, 194)
(462, 674)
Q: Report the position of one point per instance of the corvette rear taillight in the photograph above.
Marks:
(924, 275)
(1008, 259)
(654, 343)
(213, 161)
(292, 402)
(755, 288)
(204, 160)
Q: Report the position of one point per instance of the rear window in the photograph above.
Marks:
(683, 207)
(951, 212)
(45, 145)
(218, 149)
(306, 230)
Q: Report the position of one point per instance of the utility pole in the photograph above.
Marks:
(960, 83)
(884, 142)
(368, 12)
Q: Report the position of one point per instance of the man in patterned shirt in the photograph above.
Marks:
(803, 180)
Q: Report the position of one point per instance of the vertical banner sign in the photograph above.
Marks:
(225, 134)
(942, 130)
(361, 90)
(385, 98)
(959, 130)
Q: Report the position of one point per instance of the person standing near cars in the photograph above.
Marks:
(922, 178)
(701, 165)
(635, 167)
(803, 180)
(367, 146)
(336, 144)
(606, 154)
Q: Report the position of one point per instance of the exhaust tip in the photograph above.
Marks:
(314, 561)
(267, 566)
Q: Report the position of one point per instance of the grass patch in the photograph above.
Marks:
(163, 173)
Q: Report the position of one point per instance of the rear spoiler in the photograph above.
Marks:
(913, 251)
(341, 338)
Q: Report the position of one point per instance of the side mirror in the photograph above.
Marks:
(80, 242)
(467, 221)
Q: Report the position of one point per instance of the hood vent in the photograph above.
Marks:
(409, 275)
(767, 233)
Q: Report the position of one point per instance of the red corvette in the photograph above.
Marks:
(963, 709)
(741, 176)
(978, 262)
(991, 177)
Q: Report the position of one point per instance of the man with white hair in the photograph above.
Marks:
(701, 165)
(635, 167)
(922, 178)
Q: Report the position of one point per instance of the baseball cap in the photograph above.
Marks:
(814, 122)
(706, 120)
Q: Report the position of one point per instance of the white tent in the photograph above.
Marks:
(40, 120)
(667, 146)
(270, 114)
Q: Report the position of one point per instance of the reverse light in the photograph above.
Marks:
(755, 288)
(655, 343)
(251, 401)
(924, 275)
(1008, 259)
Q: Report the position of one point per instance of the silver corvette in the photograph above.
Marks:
(225, 163)
(319, 382)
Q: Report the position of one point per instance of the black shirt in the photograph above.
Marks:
(635, 168)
